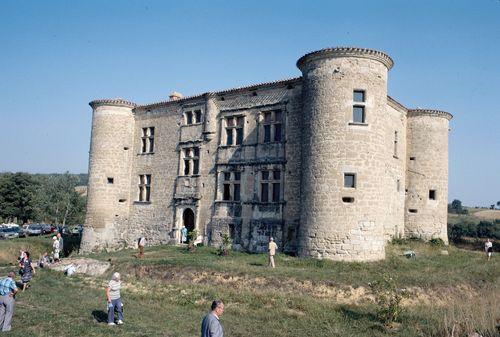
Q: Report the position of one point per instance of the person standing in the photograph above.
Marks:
(61, 245)
(488, 248)
(184, 233)
(210, 325)
(141, 243)
(27, 270)
(55, 247)
(271, 251)
(114, 299)
(8, 289)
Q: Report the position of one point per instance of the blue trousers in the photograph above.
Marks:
(115, 304)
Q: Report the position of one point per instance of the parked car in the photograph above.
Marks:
(9, 233)
(34, 229)
(22, 232)
(47, 229)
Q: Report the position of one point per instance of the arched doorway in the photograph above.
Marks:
(188, 219)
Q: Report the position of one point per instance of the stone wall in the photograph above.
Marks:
(332, 226)
(427, 164)
(316, 214)
(110, 162)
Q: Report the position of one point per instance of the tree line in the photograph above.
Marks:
(48, 198)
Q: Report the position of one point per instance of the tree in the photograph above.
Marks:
(456, 206)
(58, 201)
(17, 196)
(498, 204)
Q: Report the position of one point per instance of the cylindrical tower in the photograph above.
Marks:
(343, 154)
(426, 212)
(108, 197)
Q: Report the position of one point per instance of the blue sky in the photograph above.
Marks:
(56, 56)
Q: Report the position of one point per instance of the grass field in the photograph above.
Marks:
(167, 293)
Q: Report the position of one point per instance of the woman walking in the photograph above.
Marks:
(114, 299)
(27, 270)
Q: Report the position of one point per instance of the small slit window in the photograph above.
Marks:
(432, 194)
(413, 210)
(412, 158)
(111, 180)
(348, 200)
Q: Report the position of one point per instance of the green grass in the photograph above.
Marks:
(167, 293)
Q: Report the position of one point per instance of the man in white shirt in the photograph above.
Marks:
(272, 251)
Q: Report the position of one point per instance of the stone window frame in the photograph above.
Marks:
(147, 140)
(192, 116)
(355, 180)
(232, 124)
(190, 159)
(272, 124)
(273, 183)
(359, 104)
(144, 188)
(230, 187)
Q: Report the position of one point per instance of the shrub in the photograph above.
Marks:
(388, 298)
(225, 245)
(438, 242)
(192, 238)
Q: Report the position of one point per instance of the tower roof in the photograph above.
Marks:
(429, 112)
(337, 52)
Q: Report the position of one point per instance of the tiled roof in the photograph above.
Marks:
(221, 92)
(248, 101)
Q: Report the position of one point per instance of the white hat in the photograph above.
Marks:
(54, 237)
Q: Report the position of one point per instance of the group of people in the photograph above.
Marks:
(8, 286)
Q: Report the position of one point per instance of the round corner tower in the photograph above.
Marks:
(344, 153)
(109, 173)
(426, 212)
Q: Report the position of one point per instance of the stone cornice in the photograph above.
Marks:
(338, 52)
(113, 102)
(430, 113)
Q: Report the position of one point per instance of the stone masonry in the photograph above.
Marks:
(326, 163)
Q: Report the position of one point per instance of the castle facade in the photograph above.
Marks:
(326, 163)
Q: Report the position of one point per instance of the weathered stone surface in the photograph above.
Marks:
(86, 266)
(315, 214)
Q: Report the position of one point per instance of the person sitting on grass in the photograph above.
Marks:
(27, 270)
(114, 299)
(44, 260)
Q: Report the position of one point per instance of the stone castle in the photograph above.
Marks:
(326, 163)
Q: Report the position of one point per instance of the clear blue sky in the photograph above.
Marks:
(56, 56)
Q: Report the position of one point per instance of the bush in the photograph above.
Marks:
(388, 298)
(438, 242)
(192, 238)
(225, 245)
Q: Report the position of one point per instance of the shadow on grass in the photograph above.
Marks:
(357, 315)
(368, 317)
(257, 264)
(100, 316)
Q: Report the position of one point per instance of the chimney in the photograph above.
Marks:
(174, 96)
